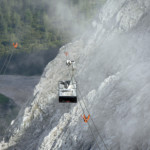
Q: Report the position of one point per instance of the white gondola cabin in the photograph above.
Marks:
(67, 92)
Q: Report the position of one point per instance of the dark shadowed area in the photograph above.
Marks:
(8, 112)
(28, 63)
(18, 88)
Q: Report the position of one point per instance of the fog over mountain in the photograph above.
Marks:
(113, 76)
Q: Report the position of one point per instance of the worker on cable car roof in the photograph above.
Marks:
(69, 62)
(65, 83)
(85, 119)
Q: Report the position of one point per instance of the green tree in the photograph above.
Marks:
(15, 20)
(28, 16)
(3, 24)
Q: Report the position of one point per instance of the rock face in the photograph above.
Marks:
(113, 82)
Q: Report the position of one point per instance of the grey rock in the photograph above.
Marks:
(113, 79)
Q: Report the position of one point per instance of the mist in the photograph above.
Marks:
(71, 17)
(117, 77)
(113, 77)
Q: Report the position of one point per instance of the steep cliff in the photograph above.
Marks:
(113, 81)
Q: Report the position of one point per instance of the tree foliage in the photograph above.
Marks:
(23, 21)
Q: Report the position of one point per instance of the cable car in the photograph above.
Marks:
(67, 91)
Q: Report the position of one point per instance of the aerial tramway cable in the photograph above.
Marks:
(90, 127)
(8, 59)
(8, 62)
(88, 112)
(5, 61)
(87, 122)
(92, 120)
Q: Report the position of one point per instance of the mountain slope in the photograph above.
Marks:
(113, 78)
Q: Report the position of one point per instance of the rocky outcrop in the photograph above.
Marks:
(113, 81)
